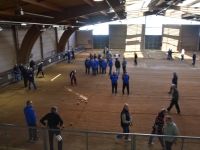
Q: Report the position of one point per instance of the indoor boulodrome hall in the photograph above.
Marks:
(99, 74)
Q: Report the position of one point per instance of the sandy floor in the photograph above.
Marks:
(149, 84)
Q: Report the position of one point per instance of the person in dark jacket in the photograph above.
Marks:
(53, 121)
(87, 66)
(16, 72)
(73, 77)
(158, 126)
(125, 79)
(124, 62)
(117, 66)
(40, 66)
(110, 66)
(31, 79)
(25, 75)
(114, 81)
(126, 121)
(21, 68)
(135, 58)
(104, 66)
(174, 101)
(194, 59)
(100, 65)
(32, 65)
(73, 55)
(99, 56)
(68, 56)
(31, 121)
(174, 81)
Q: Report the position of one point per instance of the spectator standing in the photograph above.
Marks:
(31, 121)
(25, 75)
(97, 64)
(125, 79)
(52, 121)
(110, 66)
(95, 55)
(94, 67)
(99, 55)
(157, 127)
(170, 129)
(104, 52)
(69, 56)
(73, 55)
(126, 120)
(104, 66)
(32, 65)
(194, 59)
(100, 65)
(31, 79)
(40, 66)
(21, 68)
(135, 58)
(117, 66)
(174, 81)
(87, 66)
(114, 80)
(124, 62)
(174, 101)
(16, 72)
(182, 55)
(73, 77)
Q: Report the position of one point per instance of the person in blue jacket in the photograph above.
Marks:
(114, 79)
(100, 65)
(110, 65)
(174, 81)
(97, 63)
(194, 59)
(94, 67)
(87, 66)
(125, 78)
(104, 66)
(68, 56)
(31, 121)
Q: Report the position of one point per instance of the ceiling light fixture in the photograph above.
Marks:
(56, 26)
(65, 28)
(110, 10)
(43, 28)
(23, 24)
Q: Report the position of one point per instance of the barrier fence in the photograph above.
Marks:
(14, 136)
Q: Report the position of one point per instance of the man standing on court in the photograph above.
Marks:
(40, 66)
(117, 66)
(182, 55)
(73, 55)
(32, 65)
(174, 101)
(126, 120)
(157, 127)
(125, 78)
(114, 79)
(100, 65)
(110, 66)
(174, 81)
(170, 129)
(53, 121)
(73, 77)
(68, 56)
(124, 62)
(194, 59)
(31, 121)
(135, 58)
(31, 79)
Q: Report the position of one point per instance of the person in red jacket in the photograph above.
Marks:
(73, 77)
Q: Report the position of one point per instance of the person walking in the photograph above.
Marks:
(53, 121)
(170, 129)
(157, 127)
(32, 65)
(17, 73)
(73, 55)
(194, 59)
(126, 120)
(73, 77)
(174, 81)
(114, 80)
(117, 66)
(40, 66)
(31, 79)
(87, 66)
(104, 66)
(175, 98)
(125, 79)
(182, 55)
(68, 56)
(124, 62)
(21, 68)
(25, 75)
(110, 66)
(135, 58)
(31, 121)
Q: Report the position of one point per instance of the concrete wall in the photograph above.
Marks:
(117, 36)
(7, 50)
(82, 38)
(72, 41)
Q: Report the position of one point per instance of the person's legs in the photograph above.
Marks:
(136, 61)
(123, 88)
(110, 70)
(115, 88)
(37, 72)
(112, 88)
(97, 70)
(16, 78)
(59, 142)
(30, 131)
(121, 135)
(126, 130)
(177, 107)
(170, 106)
(51, 133)
(33, 82)
(161, 139)
(42, 73)
(183, 57)
(29, 85)
(127, 88)
(123, 68)
(151, 137)
(168, 145)
(25, 82)
(75, 80)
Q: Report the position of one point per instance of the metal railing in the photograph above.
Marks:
(8, 76)
(74, 139)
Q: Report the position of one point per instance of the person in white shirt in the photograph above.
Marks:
(182, 55)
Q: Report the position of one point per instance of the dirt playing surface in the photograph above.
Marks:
(149, 84)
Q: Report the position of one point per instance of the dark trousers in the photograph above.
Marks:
(125, 85)
(160, 138)
(168, 145)
(125, 130)
(110, 70)
(51, 134)
(25, 82)
(193, 62)
(114, 86)
(39, 72)
(135, 61)
(124, 68)
(87, 70)
(32, 132)
(21, 76)
(97, 71)
(33, 82)
(94, 71)
(103, 70)
(73, 80)
(73, 57)
(100, 70)
(172, 104)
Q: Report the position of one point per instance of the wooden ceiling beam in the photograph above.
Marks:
(90, 2)
(45, 4)
(104, 13)
(84, 17)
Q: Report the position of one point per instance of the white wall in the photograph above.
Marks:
(7, 50)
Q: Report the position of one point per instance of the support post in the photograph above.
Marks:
(133, 142)
(6, 137)
(41, 47)
(44, 139)
(86, 134)
(56, 35)
(182, 144)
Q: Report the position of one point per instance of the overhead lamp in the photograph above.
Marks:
(43, 28)
(112, 19)
(56, 26)
(65, 28)
(72, 26)
(110, 10)
(1, 28)
(23, 24)
(122, 1)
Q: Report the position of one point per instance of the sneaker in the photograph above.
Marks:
(127, 140)
(116, 139)
(150, 144)
(36, 140)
